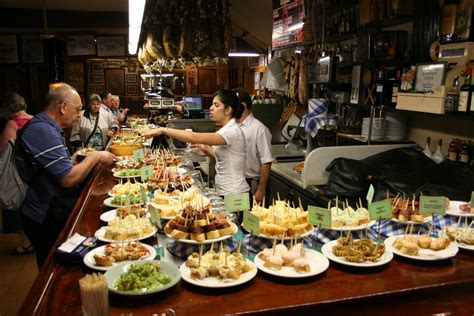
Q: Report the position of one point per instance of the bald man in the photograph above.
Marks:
(52, 175)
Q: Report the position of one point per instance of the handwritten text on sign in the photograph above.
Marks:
(319, 216)
(433, 205)
(237, 202)
(380, 210)
(252, 223)
(146, 172)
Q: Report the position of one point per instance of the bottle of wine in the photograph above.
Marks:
(427, 150)
(465, 96)
(452, 97)
(438, 156)
(395, 87)
(379, 93)
(448, 22)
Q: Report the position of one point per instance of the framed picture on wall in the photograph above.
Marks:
(98, 79)
(32, 51)
(98, 88)
(80, 45)
(206, 81)
(132, 89)
(131, 78)
(111, 46)
(115, 81)
(8, 49)
(97, 68)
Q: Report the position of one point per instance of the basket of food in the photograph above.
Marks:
(124, 149)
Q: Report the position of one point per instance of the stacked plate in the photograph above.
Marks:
(396, 125)
(378, 128)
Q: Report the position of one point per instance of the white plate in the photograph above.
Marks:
(207, 241)
(100, 233)
(317, 262)
(90, 262)
(465, 246)
(168, 268)
(425, 220)
(213, 282)
(116, 175)
(352, 228)
(284, 238)
(424, 254)
(454, 210)
(111, 215)
(327, 251)
(108, 202)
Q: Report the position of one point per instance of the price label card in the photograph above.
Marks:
(252, 223)
(380, 210)
(143, 193)
(472, 199)
(237, 202)
(146, 172)
(433, 205)
(133, 125)
(154, 215)
(319, 216)
(138, 154)
(370, 194)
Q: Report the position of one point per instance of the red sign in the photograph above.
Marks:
(288, 24)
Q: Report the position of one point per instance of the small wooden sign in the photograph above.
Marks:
(319, 216)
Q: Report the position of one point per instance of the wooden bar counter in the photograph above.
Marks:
(399, 288)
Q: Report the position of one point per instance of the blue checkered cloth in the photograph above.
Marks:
(313, 121)
(183, 250)
(256, 244)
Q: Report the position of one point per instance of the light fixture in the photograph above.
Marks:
(135, 17)
(243, 54)
(295, 27)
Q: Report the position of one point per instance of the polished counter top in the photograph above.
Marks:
(400, 287)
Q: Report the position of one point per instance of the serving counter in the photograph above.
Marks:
(401, 287)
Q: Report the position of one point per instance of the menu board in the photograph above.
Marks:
(287, 23)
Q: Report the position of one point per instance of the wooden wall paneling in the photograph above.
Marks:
(206, 80)
(425, 28)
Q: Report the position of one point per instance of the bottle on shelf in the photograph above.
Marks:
(465, 96)
(464, 153)
(454, 149)
(427, 150)
(395, 87)
(448, 22)
(438, 156)
(464, 28)
(452, 97)
(394, 8)
(379, 93)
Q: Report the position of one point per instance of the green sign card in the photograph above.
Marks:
(472, 199)
(143, 193)
(138, 154)
(155, 216)
(237, 202)
(433, 205)
(370, 194)
(380, 210)
(252, 223)
(133, 125)
(319, 216)
(146, 172)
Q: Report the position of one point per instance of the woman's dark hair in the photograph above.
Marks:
(12, 102)
(229, 98)
(244, 97)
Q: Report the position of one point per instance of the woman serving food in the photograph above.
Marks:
(227, 145)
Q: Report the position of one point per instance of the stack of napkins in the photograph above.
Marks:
(75, 248)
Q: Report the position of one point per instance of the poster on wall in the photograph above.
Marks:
(80, 45)
(115, 81)
(32, 51)
(76, 75)
(8, 49)
(111, 46)
(287, 23)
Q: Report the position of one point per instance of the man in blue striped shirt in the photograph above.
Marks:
(44, 144)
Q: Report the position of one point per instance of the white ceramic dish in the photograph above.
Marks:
(424, 254)
(284, 238)
(90, 262)
(318, 263)
(166, 267)
(112, 215)
(108, 202)
(327, 251)
(352, 228)
(425, 220)
(454, 210)
(213, 282)
(99, 234)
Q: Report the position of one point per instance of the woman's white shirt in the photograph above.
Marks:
(230, 160)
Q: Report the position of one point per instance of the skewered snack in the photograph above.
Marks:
(359, 250)
(169, 205)
(466, 208)
(125, 188)
(124, 211)
(411, 244)
(280, 256)
(406, 210)
(222, 265)
(119, 252)
(463, 235)
(281, 220)
(128, 228)
(199, 224)
(127, 199)
(349, 217)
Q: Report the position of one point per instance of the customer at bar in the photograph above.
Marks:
(259, 148)
(52, 175)
(94, 127)
(13, 106)
(118, 113)
(106, 101)
(227, 145)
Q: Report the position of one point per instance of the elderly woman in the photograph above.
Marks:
(94, 127)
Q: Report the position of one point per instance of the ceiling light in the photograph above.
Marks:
(135, 17)
(243, 54)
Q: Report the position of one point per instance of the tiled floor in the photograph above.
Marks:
(17, 274)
